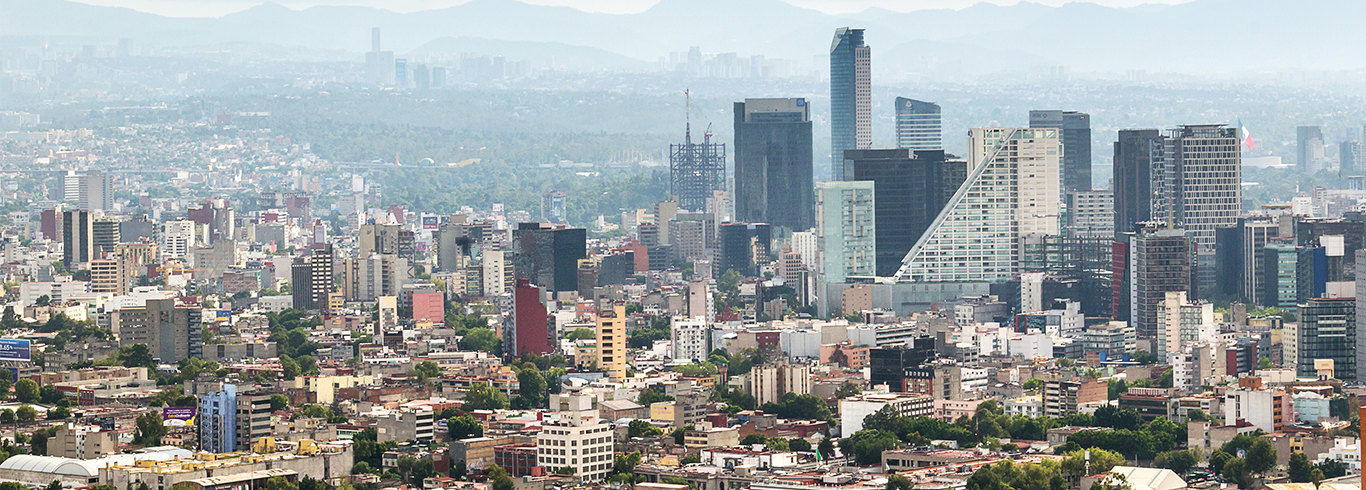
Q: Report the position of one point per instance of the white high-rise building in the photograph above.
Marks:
(918, 125)
(1011, 192)
(495, 273)
(95, 191)
(1197, 186)
(690, 338)
(176, 238)
(701, 300)
(578, 441)
(846, 229)
(807, 244)
(1183, 324)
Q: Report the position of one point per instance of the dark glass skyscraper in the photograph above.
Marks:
(548, 256)
(773, 181)
(1133, 167)
(1327, 330)
(911, 188)
(1076, 145)
(851, 96)
(744, 247)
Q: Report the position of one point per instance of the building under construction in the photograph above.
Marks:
(696, 170)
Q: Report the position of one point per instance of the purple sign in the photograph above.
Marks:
(179, 416)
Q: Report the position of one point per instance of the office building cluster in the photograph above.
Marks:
(919, 314)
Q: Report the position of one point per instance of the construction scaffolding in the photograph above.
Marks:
(696, 170)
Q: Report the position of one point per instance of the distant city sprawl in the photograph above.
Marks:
(511, 246)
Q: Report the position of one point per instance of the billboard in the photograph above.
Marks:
(14, 350)
(178, 416)
(430, 222)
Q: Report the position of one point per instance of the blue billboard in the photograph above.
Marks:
(14, 350)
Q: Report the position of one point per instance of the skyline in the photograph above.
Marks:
(218, 8)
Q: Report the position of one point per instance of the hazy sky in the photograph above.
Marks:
(214, 8)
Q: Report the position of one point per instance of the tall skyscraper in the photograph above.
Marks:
(1075, 132)
(217, 419)
(911, 188)
(401, 73)
(104, 236)
(744, 247)
(312, 275)
(530, 325)
(1309, 148)
(851, 96)
(1133, 175)
(548, 256)
(918, 125)
(1327, 330)
(773, 180)
(1010, 194)
(1257, 232)
(1160, 262)
(422, 78)
(846, 225)
(78, 239)
(552, 207)
(96, 191)
(1359, 341)
(170, 331)
(696, 170)
(1349, 158)
(379, 64)
(611, 334)
(1198, 187)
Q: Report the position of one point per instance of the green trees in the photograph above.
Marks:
(649, 396)
(464, 427)
(289, 368)
(424, 371)
(278, 402)
(642, 428)
(847, 390)
(1236, 471)
(1331, 468)
(1032, 384)
(499, 478)
(1076, 465)
(532, 391)
(1299, 469)
(415, 470)
(697, 369)
(59, 413)
(867, 445)
(898, 482)
(481, 396)
(479, 339)
(26, 414)
(149, 429)
(794, 406)
(1179, 462)
(26, 391)
(367, 450)
(1008, 476)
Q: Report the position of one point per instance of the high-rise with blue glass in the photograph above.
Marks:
(851, 97)
(217, 420)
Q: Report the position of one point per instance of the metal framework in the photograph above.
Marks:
(696, 170)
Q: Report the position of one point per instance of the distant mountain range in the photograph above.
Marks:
(1202, 36)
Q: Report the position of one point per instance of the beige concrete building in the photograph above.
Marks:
(611, 345)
